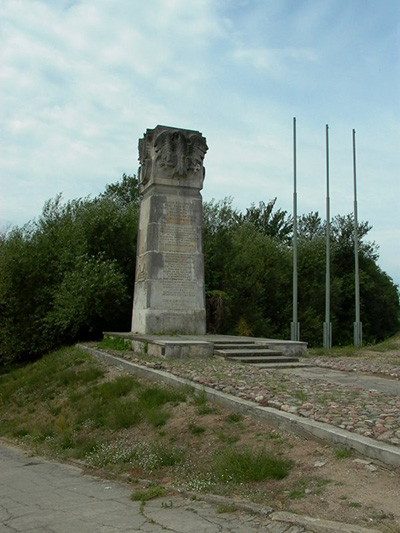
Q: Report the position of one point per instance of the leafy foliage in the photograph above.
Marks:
(69, 274)
(249, 275)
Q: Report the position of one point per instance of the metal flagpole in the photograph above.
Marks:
(294, 326)
(327, 334)
(357, 323)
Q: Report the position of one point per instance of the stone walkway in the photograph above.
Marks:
(352, 404)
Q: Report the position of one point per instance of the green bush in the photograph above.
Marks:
(69, 275)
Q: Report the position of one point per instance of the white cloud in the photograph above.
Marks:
(274, 61)
(81, 81)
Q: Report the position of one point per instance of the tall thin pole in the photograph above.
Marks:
(294, 326)
(327, 337)
(357, 323)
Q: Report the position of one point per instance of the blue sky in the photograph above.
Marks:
(81, 81)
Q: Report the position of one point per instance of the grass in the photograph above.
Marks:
(63, 395)
(242, 466)
(148, 494)
(390, 344)
(114, 343)
(355, 505)
(196, 430)
(308, 485)
(226, 508)
(68, 405)
(234, 418)
(343, 453)
(301, 395)
(203, 408)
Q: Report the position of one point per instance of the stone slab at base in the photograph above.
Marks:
(200, 346)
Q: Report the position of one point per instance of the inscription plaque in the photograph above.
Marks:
(177, 267)
(178, 212)
(177, 238)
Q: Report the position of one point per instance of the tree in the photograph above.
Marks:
(277, 225)
(69, 274)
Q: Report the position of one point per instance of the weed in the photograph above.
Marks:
(234, 418)
(387, 345)
(200, 400)
(301, 395)
(123, 414)
(207, 410)
(343, 453)
(226, 508)
(296, 494)
(148, 494)
(229, 439)
(355, 505)
(121, 386)
(114, 343)
(196, 430)
(157, 396)
(148, 457)
(247, 465)
(273, 436)
(156, 417)
(308, 485)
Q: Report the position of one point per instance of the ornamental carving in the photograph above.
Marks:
(171, 153)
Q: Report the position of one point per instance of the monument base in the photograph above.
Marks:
(162, 322)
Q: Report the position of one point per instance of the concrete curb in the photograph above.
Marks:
(318, 525)
(379, 451)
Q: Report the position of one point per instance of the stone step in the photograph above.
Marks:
(248, 352)
(279, 365)
(233, 343)
(235, 346)
(259, 360)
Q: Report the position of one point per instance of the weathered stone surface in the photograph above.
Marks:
(169, 285)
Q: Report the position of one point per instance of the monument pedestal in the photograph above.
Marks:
(169, 285)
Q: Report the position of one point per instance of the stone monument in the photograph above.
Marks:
(169, 284)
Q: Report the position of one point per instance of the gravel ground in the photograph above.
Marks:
(366, 412)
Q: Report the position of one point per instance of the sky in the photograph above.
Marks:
(82, 80)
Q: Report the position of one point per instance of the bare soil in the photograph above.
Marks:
(321, 484)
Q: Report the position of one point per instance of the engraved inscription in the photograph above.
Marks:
(177, 267)
(178, 212)
(184, 289)
(178, 238)
(179, 294)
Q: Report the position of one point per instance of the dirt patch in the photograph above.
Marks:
(324, 482)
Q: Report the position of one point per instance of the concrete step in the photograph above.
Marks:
(259, 360)
(234, 343)
(248, 352)
(279, 365)
(234, 346)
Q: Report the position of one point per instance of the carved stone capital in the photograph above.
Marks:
(167, 154)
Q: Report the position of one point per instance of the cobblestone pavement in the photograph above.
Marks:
(361, 409)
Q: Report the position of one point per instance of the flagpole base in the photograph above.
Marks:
(295, 331)
(327, 339)
(357, 334)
